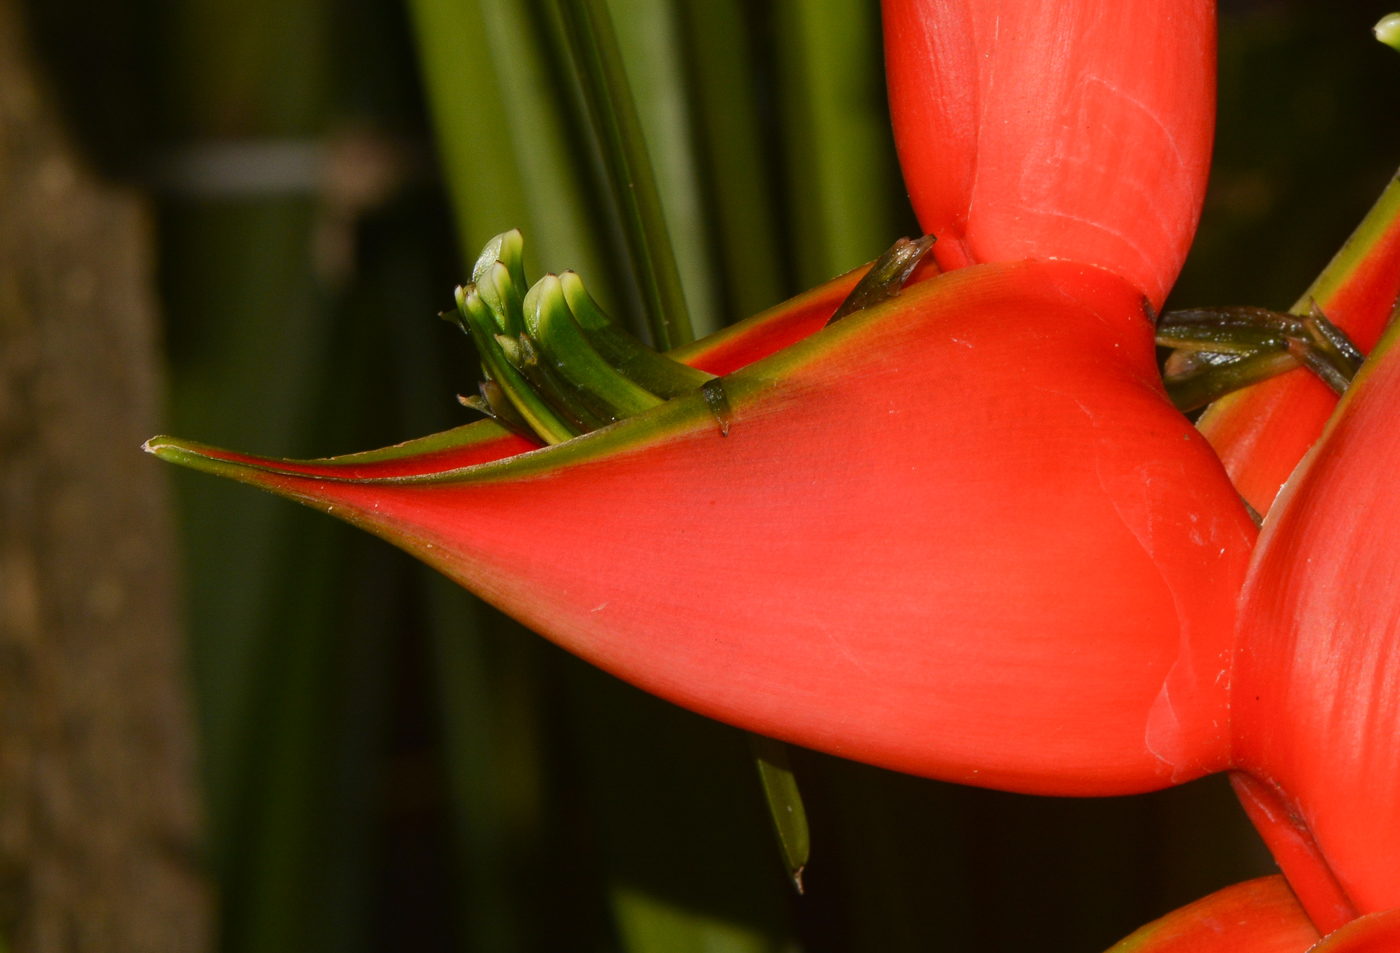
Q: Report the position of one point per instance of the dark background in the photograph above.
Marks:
(390, 766)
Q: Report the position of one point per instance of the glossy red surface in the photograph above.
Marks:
(1316, 696)
(1055, 128)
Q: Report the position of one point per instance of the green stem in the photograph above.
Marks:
(603, 78)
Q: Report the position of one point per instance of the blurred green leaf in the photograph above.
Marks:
(612, 111)
(720, 48)
(500, 119)
(843, 184)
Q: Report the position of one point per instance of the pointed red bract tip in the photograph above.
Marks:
(1316, 695)
(1055, 128)
(1258, 916)
(962, 534)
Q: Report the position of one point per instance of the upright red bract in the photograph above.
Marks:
(1054, 129)
(1316, 700)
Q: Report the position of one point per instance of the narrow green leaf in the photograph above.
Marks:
(593, 44)
(841, 169)
(649, 924)
(507, 152)
(464, 97)
(650, 39)
(744, 208)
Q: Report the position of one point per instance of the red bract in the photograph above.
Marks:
(963, 534)
(1258, 916)
(1374, 933)
(1054, 129)
(1316, 697)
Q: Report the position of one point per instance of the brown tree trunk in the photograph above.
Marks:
(98, 812)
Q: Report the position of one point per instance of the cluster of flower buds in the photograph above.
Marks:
(555, 365)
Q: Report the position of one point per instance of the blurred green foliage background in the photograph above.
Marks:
(390, 765)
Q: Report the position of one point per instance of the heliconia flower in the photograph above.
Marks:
(1263, 431)
(1316, 686)
(961, 534)
(1258, 916)
(1054, 129)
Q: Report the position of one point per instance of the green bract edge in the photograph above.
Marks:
(1355, 250)
(681, 415)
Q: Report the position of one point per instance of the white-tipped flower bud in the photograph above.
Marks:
(1388, 30)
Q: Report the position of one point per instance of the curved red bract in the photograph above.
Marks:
(1055, 129)
(1316, 699)
(1257, 916)
(1374, 933)
(963, 535)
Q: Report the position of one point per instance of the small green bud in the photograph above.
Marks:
(508, 248)
(500, 292)
(637, 362)
(1388, 30)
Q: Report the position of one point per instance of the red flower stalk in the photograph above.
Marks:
(1047, 129)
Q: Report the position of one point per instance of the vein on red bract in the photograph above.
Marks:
(1055, 128)
(963, 534)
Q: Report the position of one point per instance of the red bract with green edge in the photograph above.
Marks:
(1052, 129)
(1258, 916)
(1262, 432)
(926, 522)
(1315, 701)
